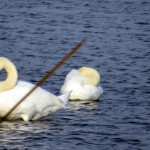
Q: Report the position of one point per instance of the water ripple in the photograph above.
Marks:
(36, 34)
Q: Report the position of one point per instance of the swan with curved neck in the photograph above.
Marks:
(84, 83)
(39, 104)
(12, 75)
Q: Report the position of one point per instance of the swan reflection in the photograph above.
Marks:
(76, 105)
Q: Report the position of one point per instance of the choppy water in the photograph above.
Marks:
(35, 34)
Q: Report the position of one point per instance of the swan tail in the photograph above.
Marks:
(101, 90)
(65, 98)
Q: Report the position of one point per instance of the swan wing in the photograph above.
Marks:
(73, 80)
(81, 92)
(71, 74)
(46, 112)
(52, 109)
(34, 104)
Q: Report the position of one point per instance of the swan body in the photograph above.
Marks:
(84, 84)
(39, 104)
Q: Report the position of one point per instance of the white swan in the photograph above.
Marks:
(39, 104)
(84, 84)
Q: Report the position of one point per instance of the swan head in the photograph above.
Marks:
(90, 75)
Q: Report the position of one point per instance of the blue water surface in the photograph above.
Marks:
(36, 34)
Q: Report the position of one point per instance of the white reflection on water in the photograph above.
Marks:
(13, 127)
(76, 105)
(30, 126)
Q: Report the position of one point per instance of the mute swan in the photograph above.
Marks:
(84, 84)
(39, 104)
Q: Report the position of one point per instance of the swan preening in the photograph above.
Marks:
(84, 84)
(39, 104)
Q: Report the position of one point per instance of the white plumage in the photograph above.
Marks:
(39, 104)
(84, 84)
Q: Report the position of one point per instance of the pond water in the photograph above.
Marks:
(36, 34)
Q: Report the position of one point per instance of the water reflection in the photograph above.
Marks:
(76, 105)
(46, 124)
(34, 35)
(26, 126)
(20, 131)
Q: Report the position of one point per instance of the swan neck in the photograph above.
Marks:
(12, 75)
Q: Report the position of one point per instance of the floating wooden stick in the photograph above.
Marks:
(44, 78)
